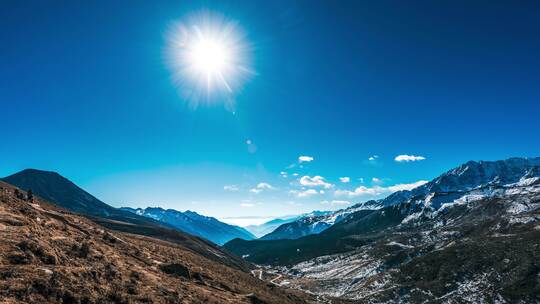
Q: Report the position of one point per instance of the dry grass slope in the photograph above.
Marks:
(48, 255)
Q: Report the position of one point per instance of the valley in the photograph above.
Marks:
(470, 235)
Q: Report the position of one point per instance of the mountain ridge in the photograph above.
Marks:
(485, 173)
(516, 169)
(193, 223)
(62, 192)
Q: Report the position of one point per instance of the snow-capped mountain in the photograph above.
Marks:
(443, 189)
(193, 223)
(303, 226)
(469, 236)
(478, 248)
(313, 223)
(472, 175)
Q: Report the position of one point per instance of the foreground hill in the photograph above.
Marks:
(470, 235)
(60, 191)
(195, 224)
(48, 255)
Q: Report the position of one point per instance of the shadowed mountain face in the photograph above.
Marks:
(301, 227)
(195, 224)
(49, 255)
(443, 240)
(58, 190)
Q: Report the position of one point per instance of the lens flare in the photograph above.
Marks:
(209, 59)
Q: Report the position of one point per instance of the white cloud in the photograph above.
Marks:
(283, 174)
(306, 159)
(260, 187)
(345, 179)
(305, 193)
(408, 158)
(374, 157)
(378, 190)
(336, 203)
(295, 174)
(231, 188)
(376, 180)
(315, 181)
(266, 186)
(247, 205)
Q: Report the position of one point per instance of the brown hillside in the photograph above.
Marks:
(48, 255)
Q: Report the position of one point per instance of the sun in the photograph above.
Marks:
(208, 57)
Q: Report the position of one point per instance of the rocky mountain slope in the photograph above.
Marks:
(195, 224)
(478, 250)
(470, 235)
(49, 255)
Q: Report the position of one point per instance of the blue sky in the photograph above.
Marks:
(86, 90)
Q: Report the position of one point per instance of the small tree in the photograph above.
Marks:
(30, 195)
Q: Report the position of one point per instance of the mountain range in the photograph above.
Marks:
(64, 193)
(470, 235)
(463, 178)
(268, 227)
(51, 255)
(195, 224)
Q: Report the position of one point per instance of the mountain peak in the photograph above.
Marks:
(36, 173)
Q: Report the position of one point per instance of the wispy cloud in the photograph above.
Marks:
(306, 193)
(373, 157)
(376, 180)
(247, 205)
(336, 203)
(315, 181)
(283, 174)
(378, 190)
(345, 179)
(231, 188)
(305, 159)
(408, 158)
(260, 187)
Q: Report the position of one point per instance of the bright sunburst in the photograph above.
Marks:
(209, 59)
